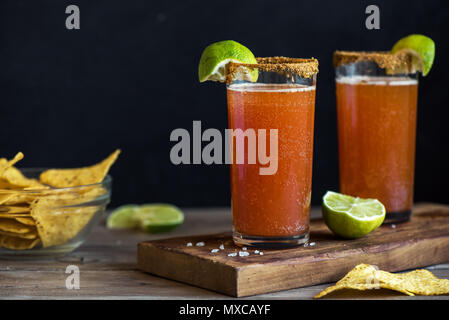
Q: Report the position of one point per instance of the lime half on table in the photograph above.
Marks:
(123, 217)
(421, 48)
(154, 218)
(215, 58)
(351, 217)
(151, 218)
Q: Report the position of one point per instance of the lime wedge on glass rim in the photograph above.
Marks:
(159, 217)
(351, 217)
(123, 217)
(215, 58)
(421, 48)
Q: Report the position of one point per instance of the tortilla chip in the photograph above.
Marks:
(5, 185)
(422, 282)
(365, 277)
(59, 219)
(5, 197)
(20, 198)
(15, 209)
(16, 243)
(29, 235)
(5, 164)
(14, 215)
(10, 225)
(26, 221)
(16, 179)
(62, 178)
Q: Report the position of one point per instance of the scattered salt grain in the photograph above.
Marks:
(261, 253)
(221, 246)
(312, 244)
(243, 253)
(232, 254)
(306, 244)
(244, 248)
(214, 250)
(200, 244)
(393, 226)
(189, 244)
(256, 251)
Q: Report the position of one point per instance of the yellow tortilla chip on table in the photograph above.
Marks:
(16, 243)
(62, 178)
(10, 225)
(421, 282)
(366, 277)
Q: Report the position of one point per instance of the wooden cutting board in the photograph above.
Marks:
(420, 242)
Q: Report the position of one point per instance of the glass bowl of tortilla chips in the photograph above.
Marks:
(50, 212)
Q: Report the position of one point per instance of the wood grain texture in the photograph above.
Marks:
(108, 269)
(421, 242)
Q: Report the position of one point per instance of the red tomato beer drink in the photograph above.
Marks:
(272, 209)
(376, 111)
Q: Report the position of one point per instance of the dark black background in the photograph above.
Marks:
(128, 77)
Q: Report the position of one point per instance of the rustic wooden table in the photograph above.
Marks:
(107, 264)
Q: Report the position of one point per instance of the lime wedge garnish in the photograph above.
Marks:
(155, 218)
(123, 217)
(351, 217)
(215, 58)
(422, 49)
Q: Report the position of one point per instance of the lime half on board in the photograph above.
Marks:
(154, 218)
(351, 217)
(215, 58)
(421, 48)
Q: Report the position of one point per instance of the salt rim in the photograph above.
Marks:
(377, 80)
(394, 63)
(305, 68)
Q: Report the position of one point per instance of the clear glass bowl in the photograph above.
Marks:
(62, 217)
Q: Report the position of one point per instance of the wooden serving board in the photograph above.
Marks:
(418, 243)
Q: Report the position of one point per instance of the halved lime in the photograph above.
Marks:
(123, 217)
(215, 58)
(421, 48)
(159, 217)
(351, 217)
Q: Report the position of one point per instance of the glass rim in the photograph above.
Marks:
(400, 62)
(305, 68)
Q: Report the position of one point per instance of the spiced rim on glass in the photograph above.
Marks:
(271, 208)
